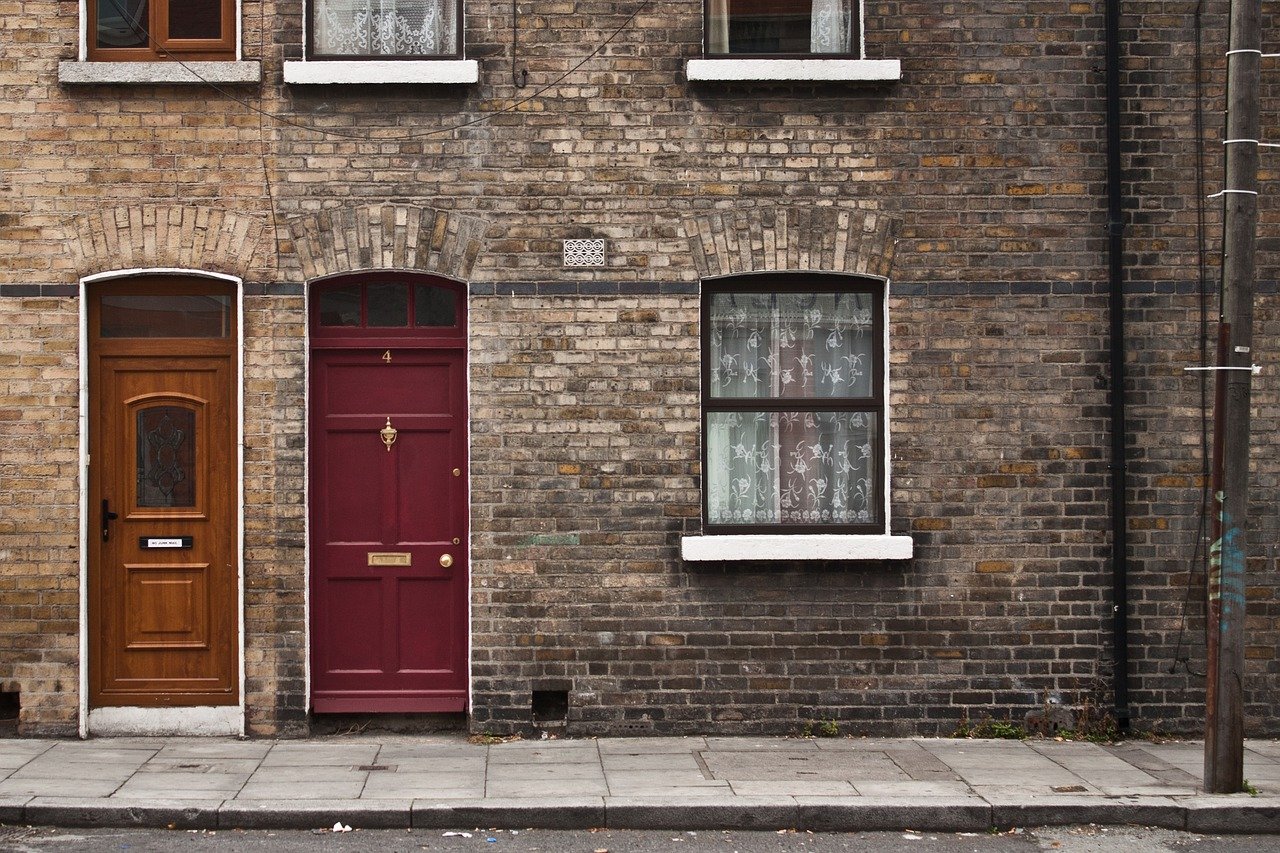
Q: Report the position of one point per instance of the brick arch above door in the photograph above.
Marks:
(388, 236)
(792, 239)
(166, 237)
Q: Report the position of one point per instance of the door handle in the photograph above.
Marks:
(107, 517)
(446, 560)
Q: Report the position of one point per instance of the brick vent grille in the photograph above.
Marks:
(584, 253)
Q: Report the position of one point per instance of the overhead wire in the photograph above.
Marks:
(370, 136)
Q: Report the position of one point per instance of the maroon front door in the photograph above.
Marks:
(388, 496)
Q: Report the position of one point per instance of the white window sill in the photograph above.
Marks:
(797, 70)
(796, 547)
(97, 73)
(376, 71)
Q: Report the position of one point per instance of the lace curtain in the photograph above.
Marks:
(385, 27)
(798, 467)
(831, 26)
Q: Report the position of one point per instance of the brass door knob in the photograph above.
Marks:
(446, 560)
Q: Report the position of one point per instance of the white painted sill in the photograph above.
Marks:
(796, 547)
(794, 70)
(144, 73)
(376, 71)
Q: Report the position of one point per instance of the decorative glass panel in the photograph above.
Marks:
(193, 19)
(434, 306)
(388, 305)
(165, 315)
(166, 457)
(789, 345)
(781, 26)
(340, 306)
(122, 23)
(792, 468)
(385, 27)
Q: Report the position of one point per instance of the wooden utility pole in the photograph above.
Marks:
(1224, 712)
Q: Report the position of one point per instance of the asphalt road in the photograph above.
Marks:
(1077, 839)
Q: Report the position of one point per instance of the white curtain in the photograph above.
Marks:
(831, 26)
(718, 26)
(797, 467)
(385, 27)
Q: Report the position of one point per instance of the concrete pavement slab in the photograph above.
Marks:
(793, 787)
(761, 744)
(90, 811)
(661, 779)
(654, 761)
(811, 765)
(181, 786)
(703, 791)
(566, 752)
(95, 752)
(725, 812)
(285, 773)
(63, 787)
(420, 764)
(939, 814)
(285, 792)
(320, 753)
(315, 813)
(214, 748)
(200, 765)
(543, 772)
(417, 786)
(544, 788)
(14, 753)
(567, 812)
(650, 745)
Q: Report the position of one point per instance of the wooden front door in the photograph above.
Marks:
(388, 496)
(163, 581)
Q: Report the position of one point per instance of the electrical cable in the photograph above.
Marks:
(371, 137)
(1200, 555)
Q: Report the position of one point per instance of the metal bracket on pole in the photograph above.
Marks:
(1255, 369)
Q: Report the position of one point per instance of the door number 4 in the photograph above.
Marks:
(386, 356)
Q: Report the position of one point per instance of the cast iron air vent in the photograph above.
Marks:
(584, 253)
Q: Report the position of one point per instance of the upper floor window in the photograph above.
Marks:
(383, 29)
(783, 28)
(793, 405)
(150, 30)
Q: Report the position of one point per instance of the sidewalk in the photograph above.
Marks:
(442, 781)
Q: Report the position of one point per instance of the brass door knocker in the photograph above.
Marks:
(388, 434)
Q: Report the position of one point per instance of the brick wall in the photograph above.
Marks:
(990, 156)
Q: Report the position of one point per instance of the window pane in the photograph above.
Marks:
(781, 26)
(194, 19)
(388, 305)
(340, 306)
(165, 315)
(797, 345)
(166, 457)
(434, 306)
(385, 27)
(122, 23)
(792, 468)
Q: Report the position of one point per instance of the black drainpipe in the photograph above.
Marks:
(1115, 254)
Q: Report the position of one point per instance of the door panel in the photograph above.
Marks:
(388, 619)
(162, 582)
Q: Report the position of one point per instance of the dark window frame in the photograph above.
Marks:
(335, 333)
(815, 282)
(165, 49)
(854, 52)
(312, 54)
